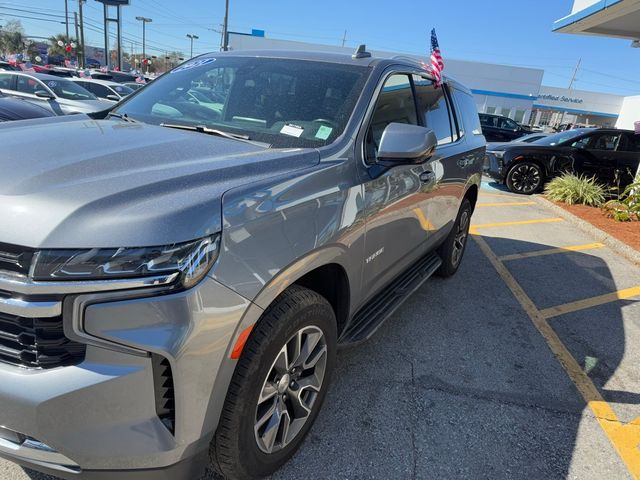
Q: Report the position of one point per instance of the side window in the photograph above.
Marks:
(629, 143)
(468, 113)
(508, 124)
(395, 104)
(28, 85)
(432, 106)
(99, 90)
(599, 141)
(5, 81)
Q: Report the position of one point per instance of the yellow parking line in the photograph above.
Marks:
(486, 194)
(504, 204)
(424, 222)
(624, 437)
(591, 302)
(474, 228)
(551, 251)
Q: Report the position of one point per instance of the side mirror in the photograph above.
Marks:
(113, 97)
(43, 94)
(402, 143)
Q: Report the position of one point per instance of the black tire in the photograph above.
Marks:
(525, 178)
(452, 250)
(235, 452)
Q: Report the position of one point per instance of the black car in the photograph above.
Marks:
(610, 155)
(18, 109)
(497, 128)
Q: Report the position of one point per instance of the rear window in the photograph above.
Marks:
(468, 110)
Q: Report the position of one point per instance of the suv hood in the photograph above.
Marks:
(74, 182)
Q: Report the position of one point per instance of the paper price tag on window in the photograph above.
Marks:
(292, 130)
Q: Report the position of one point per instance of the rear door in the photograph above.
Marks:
(628, 159)
(595, 156)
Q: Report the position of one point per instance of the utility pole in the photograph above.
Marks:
(75, 23)
(144, 21)
(344, 38)
(573, 79)
(81, 39)
(66, 19)
(225, 28)
(192, 38)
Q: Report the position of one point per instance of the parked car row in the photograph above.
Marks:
(62, 96)
(612, 156)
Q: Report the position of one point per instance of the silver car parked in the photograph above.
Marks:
(60, 95)
(104, 89)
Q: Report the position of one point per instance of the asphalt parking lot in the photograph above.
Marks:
(523, 365)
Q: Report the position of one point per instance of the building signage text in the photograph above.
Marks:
(559, 98)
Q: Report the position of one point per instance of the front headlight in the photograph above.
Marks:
(192, 260)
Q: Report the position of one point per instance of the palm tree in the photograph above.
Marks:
(12, 38)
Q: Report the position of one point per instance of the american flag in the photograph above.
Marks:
(140, 80)
(437, 64)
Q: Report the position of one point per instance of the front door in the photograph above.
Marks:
(397, 227)
(595, 156)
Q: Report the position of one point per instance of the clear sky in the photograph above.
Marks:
(515, 32)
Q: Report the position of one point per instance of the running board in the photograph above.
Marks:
(373, 314)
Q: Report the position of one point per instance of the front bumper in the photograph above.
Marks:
(100, 417)
(493, 167)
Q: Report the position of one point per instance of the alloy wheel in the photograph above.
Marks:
(461, 238)
(526, 178)
(290, 390)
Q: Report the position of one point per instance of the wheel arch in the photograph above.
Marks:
(527, 158)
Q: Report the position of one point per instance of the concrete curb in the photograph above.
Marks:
(613, 243)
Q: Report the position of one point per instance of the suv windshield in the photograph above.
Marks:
(285, 103)
(562, 137)
(69, 90)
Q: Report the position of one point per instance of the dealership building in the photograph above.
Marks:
(515, 92)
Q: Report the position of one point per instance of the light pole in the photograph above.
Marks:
(225, 27)
(192, 37)
(144, 21)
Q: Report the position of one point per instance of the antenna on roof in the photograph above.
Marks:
(361, 52)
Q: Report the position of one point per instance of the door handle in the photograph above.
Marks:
(427, 177)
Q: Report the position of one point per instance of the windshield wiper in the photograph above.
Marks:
(121, 116)
(215, 131)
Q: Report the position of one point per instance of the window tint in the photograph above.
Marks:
(5, 80)
(488, 120)
(99, 90)
(395, 104)
(468, 113)
(629, 143)
(28, 85)
(432, 106)
(598, 141)
(508, 124)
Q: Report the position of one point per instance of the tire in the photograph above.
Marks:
(240, 447)
(525, 178)
(452, 250)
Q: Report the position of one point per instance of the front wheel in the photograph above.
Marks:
(525, 178)
(278, 386)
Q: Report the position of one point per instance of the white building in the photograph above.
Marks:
(610, 18)
(515, 92)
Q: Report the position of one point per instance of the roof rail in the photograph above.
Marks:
(361, 52)
(405, 57)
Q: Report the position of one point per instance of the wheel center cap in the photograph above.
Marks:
(283, 384)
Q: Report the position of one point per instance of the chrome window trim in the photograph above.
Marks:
(13, 283)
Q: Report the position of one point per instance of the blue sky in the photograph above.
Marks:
(515, 32)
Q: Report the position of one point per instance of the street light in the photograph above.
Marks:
(192, 37)
(144, 21)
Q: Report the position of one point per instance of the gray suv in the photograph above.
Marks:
(174, 287)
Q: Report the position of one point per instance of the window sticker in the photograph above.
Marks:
(196, 63)
(323, 132)
(118, 89)
(292, 130)
(52, 84)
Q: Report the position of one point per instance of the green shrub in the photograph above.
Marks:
(627, 207)
(572, 189)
